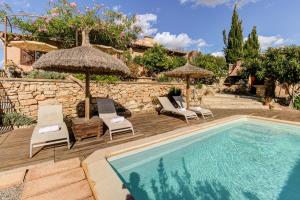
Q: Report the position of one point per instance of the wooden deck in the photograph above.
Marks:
(14, 146)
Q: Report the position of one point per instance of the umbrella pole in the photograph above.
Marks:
(87, 95)
(188, 92)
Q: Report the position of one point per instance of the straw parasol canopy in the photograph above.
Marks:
(32, 45)
(84, 59)
(81, 60)
(189, 71)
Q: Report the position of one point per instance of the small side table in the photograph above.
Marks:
(83, 128)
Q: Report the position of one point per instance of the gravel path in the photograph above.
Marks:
(13, 193)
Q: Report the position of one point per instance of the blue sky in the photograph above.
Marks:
(198, 24)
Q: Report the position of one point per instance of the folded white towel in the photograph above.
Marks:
(181, 109)
(198, 108)
(117, 119)
(47, 129)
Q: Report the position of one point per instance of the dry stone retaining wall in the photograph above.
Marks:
(27, 94)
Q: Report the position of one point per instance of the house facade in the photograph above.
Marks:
(22, 59)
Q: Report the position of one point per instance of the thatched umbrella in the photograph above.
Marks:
(84, 59)
(32, 45)
(189, 71)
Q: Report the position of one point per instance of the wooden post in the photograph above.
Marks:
(5, 41)
(87, 95)
(187, 91)
(76, 38)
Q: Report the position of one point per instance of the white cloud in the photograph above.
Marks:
(181, 41)
(146, 22)
(214, 3)
(116, 7)
(271, 41)
(218, 54)
(171, 41)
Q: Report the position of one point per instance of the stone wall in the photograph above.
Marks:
(26, 94)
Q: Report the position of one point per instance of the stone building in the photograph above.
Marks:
(23, 59)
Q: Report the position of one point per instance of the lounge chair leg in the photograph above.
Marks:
(69, 145)
(186, 119)
(132, 131)
(30, 151)
(110, 135)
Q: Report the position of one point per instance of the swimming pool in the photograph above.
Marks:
(244, 159)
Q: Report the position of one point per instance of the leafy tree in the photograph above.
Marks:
(215, 64)
(176, 61)
(157, 60)
(64, 18)
(234, 43)
(282, 65)
(251, 54)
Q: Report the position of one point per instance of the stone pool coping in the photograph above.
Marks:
(103, 180)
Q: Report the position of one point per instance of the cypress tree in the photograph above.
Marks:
(234, 43)
(251, 53)
(251, 47)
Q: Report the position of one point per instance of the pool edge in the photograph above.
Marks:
(104, 181)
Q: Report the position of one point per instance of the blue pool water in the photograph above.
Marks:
(246, 159)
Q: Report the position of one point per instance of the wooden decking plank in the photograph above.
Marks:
(15, 148)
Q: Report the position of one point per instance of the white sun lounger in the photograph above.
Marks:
(168, 107)
(199, 110)
(107, 112)
(49, 116)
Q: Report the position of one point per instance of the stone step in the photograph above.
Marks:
(11, 178)
(231, 102)
(76, 191)
(228, 99)
(237, 106)
(50, 183)
(52, 168)
(236, 96)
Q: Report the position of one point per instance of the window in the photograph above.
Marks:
(29, 57)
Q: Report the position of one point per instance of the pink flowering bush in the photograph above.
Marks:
(73, 5)
(64, 18)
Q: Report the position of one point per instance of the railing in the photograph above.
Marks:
(5, 107)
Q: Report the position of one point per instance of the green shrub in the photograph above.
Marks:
(163, 78)
(297, 102)
(138, 60)
(174, 91)
(35, 74)
(199, 86)
(79, 76)
(99, 78)
(105, 78)
(16, 119)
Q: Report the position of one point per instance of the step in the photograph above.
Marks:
(236, 107)
(232, 103)
(50, 169)
(237, 96)
(11, 178)
(76, 191)
(228, 99)
(50, 183)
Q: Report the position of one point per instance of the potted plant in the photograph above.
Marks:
(16, 120)
(267, 101)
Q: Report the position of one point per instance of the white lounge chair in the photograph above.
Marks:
(168, 107)
(199, 110)
(50, 128)
(107, 112)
